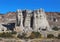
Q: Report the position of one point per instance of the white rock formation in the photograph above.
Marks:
(34, 22)
(27, 28)
(40, 21)
(27, 19)
(2, 28)
(19, 21)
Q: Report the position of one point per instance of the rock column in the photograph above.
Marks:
(34, 22)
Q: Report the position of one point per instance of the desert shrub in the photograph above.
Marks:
(13, 32)
(21, 36)
(58, 36)
(55, 28)
(35, 35)
(6, 35)
(32, 36)
(50, 36)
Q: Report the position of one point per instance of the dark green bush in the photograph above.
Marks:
(32, 36)
(55, 28)
(58, 36)
(21, 36)
(50, 36)
(13, 32)
(35, 35)
(6, 35)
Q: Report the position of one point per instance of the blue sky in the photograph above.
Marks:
(13, 5)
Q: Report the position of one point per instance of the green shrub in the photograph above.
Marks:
(58, 36)
(32, 36)
(6, 35)
(13, 32)
(21, 36)
(55, 28)
(50, 36)
(35, 35)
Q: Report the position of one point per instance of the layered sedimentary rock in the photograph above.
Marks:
(39, 21)
(19, 22)
(52, 17)
(27, 21)
(2, 28)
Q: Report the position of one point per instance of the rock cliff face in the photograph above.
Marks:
(53, 18)
(9, 20)
(11, 16)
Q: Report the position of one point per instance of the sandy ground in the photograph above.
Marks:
(29, 40)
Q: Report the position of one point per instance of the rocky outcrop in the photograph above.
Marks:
(52, 17)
